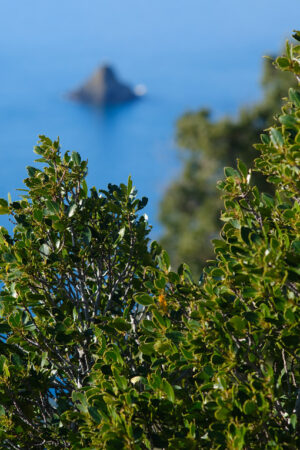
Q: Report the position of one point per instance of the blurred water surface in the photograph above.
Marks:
(189, 53)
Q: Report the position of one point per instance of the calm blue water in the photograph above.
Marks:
(189, 53)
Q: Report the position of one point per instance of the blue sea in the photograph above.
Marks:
(188, 53)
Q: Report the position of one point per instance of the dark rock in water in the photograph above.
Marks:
(103, 88)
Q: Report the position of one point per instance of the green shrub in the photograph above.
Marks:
(104, 346)
(217, 365)
(73, 263)
(191, 206)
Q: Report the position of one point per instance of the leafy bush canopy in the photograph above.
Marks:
(191, 207)
(104, 346)
(73, 264)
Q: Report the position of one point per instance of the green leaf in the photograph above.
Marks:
(160, 283)
(161, 346)
(15, 319)
(75, 314)
(76, 158)
(294, 421)
(265, 139)
(218, 273)
(122, 232)
(31, 171)
(249, 407)
(283, 63)
(289, 121)
(144, 299)
(84, 188)
(289, 315)
(129, 185)
(45, 250)
(296, 246)
(4, 209)
(235, 223)
(166, 260)
(296, 35)
(268, 200)
(52, 207)
(294, 97)
(288, 49)
(230, 172)
(221, 414)
(147, 348)
(86, 236)
(94, 414)
(80, 400)
(8, 257)
(137, 379)
(187, 354)
(4, 366)
(276, 137)
(249, 292)
(238, 323)
(44, 361)
(38, 215)
(72, 210)
(167, 388)
(161, 321)
(113, 354)
(121, 324)
(120, 379)
(148, 325)
(38, 150)
(242, 168)
(3, 203)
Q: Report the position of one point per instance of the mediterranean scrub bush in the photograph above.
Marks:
(104, 346)
(73, 263)
(191, 206)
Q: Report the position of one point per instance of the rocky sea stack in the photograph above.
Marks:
(103, 88)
